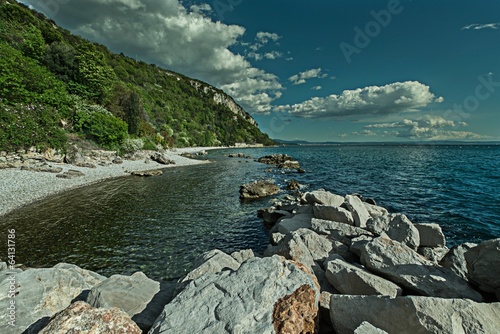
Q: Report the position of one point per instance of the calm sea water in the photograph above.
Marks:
(160, 225)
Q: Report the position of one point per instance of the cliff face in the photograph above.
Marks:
(222, 98)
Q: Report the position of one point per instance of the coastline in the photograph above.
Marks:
(19, 188)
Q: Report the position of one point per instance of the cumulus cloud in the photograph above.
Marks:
(167, 33)
(429, 127)
(302, 77)
(264, 37)
(317, 88)
(395, 98)
(477, 26)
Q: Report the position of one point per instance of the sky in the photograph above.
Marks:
(320, 70)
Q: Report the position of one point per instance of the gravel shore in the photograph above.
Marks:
(20, 187)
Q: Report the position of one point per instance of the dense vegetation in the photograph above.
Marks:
(53, 83)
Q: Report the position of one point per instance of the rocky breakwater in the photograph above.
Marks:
(379, 272)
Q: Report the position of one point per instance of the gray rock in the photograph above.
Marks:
(337, 230)
(378, 225)
(431, 235)
(80, 317)
(161, 159)
(333, 213)
(367, 328)
(483, 265)
(405, 267)
(353, 280)
(434, 254)
(42, 168)
(292, 247)
(41, 293)
(414, 314)
(402, 229)
(358, 210)
(73, 155)
(258, 189)
(358, 243)
(140, 297)
(323, 197)
(252, 299)
(276, 237)
(242, 255)
(318, 245)
(213, 261)
(455, 259)
(70, 174)
(303, 209)
(287, 225)
(271, 215)
(375, 210)
(147, 173)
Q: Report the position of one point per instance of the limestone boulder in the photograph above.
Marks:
(367, 328)
(455, 259)
(41, 293)
(289, 224)
(354, 280)
(379, 224)
(242, 255)
(402, 229)
(258, 189)
(431, 235)
(139, 296)
(333, 213)
(405, 267)
(82, 318)
(292, 247)
(375, 210)
(337, 230)
(265, 295)
(358, 210)
(483, 265)
(213, 261)
(161, 159)
(323, 197)
(413, 314)
(318, 245)
(434, 254)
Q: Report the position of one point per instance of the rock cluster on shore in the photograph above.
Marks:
(335, 264)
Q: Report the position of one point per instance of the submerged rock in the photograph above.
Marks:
(258, 189)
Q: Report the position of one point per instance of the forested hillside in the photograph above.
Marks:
(54, 85)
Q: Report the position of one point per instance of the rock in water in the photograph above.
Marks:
(151, 172)
(483, 265)
(140, 297)
(258, 189)
(243, 301)
(80, 317)
(42, 293)
(402, 265)
(414, 314)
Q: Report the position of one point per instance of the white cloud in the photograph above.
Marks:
(302, 77)
(477, 26)
(317, 88)
(264, 37)
(395, 98)
(166, 33)
(429, 127)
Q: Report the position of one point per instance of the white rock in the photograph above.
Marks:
(333, 213)
(431, 235)
(358, 210)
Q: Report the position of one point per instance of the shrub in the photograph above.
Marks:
(132, 145)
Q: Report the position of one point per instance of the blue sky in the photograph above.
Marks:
(320, 70)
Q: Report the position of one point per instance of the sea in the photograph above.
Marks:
(160, 225)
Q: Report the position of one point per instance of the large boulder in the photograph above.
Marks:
(353, 280)
(292, 247)
(434, 254)
(402, 229)
(375, 210)
(139, 296)
(337, 230)
(323, 197)
(414, 314)
(455, 259)
(318, 245)
(367, 328)
(41, 293)
(265, 295)
(258, 189)
(431, 235)
(483, 265)
(333, 213)
(80, 317)
(161, 159)
(213, 261)
(405, 267)
(289, 224)
(358, 210)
